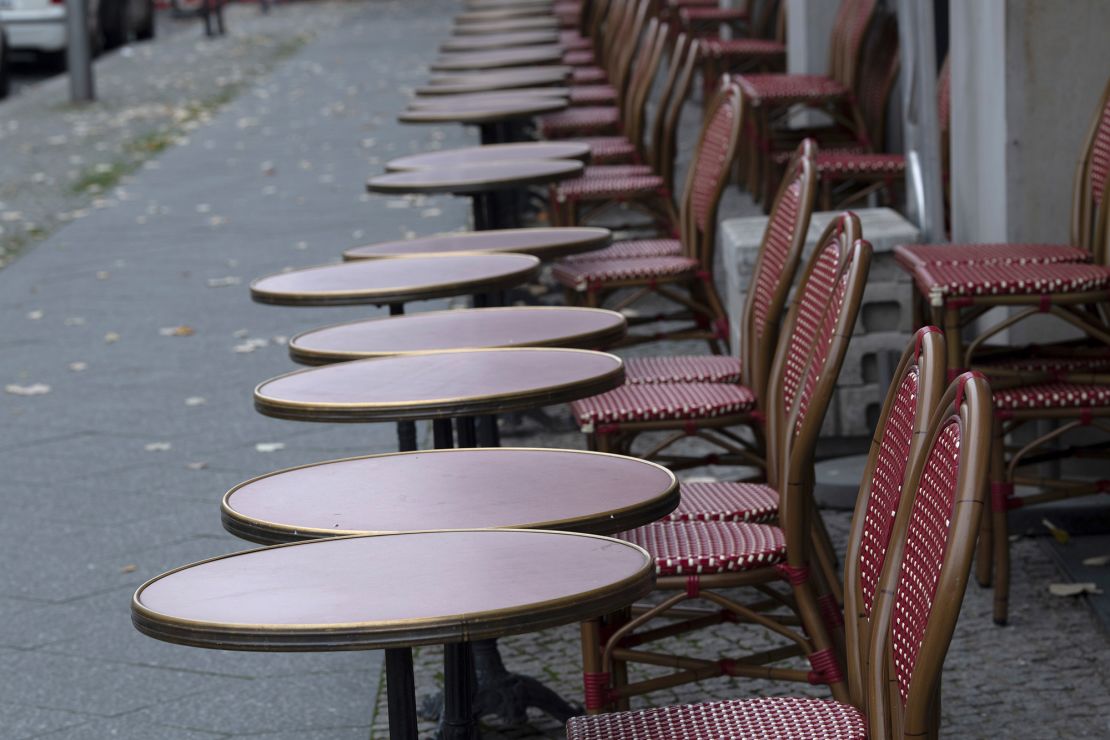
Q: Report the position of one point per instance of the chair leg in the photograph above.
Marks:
(984, 551)
(591, 663)
(620, 667)
(1001, 530)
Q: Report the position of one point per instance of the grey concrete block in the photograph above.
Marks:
(858, 409)
(863, 363)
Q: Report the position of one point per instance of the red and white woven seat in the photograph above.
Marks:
(686, 548)
(682, 368)
(917, 255)
(787, 89)
(592, 95)
(702, 14)
(782, 156)
(862, 164)
(1052, 396)
(726, 501)
(744, 48)
(583, 274)
(661, 402)
(633, 249)
(1033, 279)
(587, 76)
(611, 171)
(609, 149)
(1061, 365)
(602, 186)
(579, 121)
(769, 718)
(578, 57)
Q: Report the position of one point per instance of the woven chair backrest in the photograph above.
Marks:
(626, 41)
(878, 73)
(776, 263)
(811, 344)
(644, 67)
(928, 562)
(1092, 179)
(664, 128)
(709, 170)
(846, 42)
(767, 19)
(910, 401)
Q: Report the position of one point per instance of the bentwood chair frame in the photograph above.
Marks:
(697, 221)
(776, 264)
(804, 378)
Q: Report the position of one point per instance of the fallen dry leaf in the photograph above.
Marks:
(128, 569)
(195, 401)
(196, 465)
(1059, 533)
(77, 366)
(111, 337)
(224, 281)
(1073, 589)
(1097, 561)
(35, 389)
(269, 446)
(177, 331)
(34, 315)
(157, 446)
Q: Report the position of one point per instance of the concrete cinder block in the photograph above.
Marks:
(871, 358)
(887, 307)
(857, 409)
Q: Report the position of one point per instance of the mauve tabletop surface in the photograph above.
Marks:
(476, 178)
(392, 590)
(527, 150)
(440, 385)
(431, 331)
(545, 243)
(567, 490)
(523, 106)
(497, 58)
(394, 281)
(500, 41)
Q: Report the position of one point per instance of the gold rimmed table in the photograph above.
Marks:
(487, 100)
(516, 488)
(482, 182)
(394, 592)
(547, 243)
(500, 41)
(506, 79)
(471, 155)
(493, 59)
(479, 328)
(394, 282)
(494, 120)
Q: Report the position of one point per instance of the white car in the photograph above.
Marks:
(40, 25)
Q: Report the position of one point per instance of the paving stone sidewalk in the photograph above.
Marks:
(132, 344)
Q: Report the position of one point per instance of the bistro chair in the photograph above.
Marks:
(647, 185)
(682, 280)
(917, 601)
(762, 49)
(773, 97)
(696, 559)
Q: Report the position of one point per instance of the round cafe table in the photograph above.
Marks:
(500, 41)
(394, 592)
(478, 328)
(505, 79)
(482, 182)
(486, 100)
(547, 243)
(395, 282)
(471, 155)
(510, 25)
(531, 16)
(517, 488)
(494, 120)
(479, 61)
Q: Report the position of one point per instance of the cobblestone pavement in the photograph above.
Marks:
(132, 346)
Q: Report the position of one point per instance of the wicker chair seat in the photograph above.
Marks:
(861, 164)
(578, 57)
(582, 274)
(632, 249)
(603, 186)
(1032, 279)
(788, 89)
(916, 255)
(702, 14)
(581, 120)
(686, 548)
(726, 501)
(587, 76)
(609, 149)
(770, 718)
(744, 48)
(1052, 396)
(616, 170)
(662, 402)
(592, 95)
(682, 368)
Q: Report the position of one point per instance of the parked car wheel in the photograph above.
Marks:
(113, 23)
(145, 30)
(5, 81)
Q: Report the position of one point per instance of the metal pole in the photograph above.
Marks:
(79, 52)
(919, 111)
